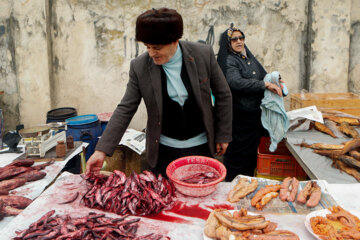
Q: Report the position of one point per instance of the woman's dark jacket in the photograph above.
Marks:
(245, 77)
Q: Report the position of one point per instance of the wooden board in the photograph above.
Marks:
(343, 102)
(51, 154)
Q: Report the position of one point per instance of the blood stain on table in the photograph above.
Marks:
(221, 206)
(167, 218)
(194, 211)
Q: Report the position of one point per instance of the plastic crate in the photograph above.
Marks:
(280, 150)
(278, 164)
(343, 102)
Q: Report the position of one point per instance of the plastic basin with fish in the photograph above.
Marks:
(187, 166)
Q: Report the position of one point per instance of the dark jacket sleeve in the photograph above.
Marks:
(122, 115)
(223, 102)
(235, 71)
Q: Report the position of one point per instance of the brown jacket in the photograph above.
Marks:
(145, 82)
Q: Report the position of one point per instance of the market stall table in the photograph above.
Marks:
(33, 189)
(185, 220)
(315, 165)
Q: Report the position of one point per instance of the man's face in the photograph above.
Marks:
(161, 54)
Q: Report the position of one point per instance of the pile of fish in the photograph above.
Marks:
(201, 178)
(18, 173)
(138, 194)
(345, 156)
(92, 226)
(345, 125)
(15, 175)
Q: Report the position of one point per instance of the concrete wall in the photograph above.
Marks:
(24, 62)
(354, 63)
(90, 44)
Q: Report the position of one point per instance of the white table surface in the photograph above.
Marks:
(315, 165)
(190, 227)
(33, 189)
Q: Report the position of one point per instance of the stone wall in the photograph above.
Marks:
(354, 61)
(77, 53)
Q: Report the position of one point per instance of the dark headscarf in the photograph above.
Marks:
(226, 49)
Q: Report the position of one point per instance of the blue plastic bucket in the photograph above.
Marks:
(86, 128)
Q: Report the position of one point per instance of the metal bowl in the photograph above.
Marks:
(34, 131)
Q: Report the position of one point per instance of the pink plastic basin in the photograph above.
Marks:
(187, 166)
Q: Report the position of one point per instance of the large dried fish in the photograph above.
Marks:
(350, 161)
(339, 120)
(323, 128)
(349, 170)
(348, 130)
(355, 154)
(322, 146)
(351, 145)
(328, 153)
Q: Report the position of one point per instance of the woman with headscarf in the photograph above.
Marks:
(244, 75)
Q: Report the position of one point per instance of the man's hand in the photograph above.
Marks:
(221, 148)
(95, 162)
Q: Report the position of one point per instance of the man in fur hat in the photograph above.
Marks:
(175, 79)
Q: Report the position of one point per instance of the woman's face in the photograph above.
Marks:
(237, 41)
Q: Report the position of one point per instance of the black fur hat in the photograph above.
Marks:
(159, 26)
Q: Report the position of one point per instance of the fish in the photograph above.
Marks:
(32, 175)
(350, 161)
(12, 183)
(242, 223)
(348, 130)
(355, 154)
(323, 128)
(11, 172)
(349, 170)
(16, 201)
(263, 191)
(351, 145)
(241, 189)
(339, 120)
(72, 198)
(322, 146)
(328, 153)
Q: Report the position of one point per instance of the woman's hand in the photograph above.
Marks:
(273, 88)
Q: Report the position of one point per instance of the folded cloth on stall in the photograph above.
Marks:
(273, 114)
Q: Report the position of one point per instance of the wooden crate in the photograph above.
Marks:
(344, 102)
